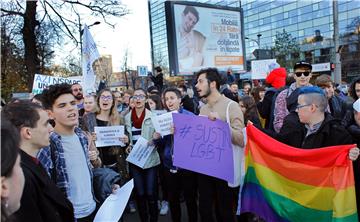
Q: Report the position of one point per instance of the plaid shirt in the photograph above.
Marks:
(44, 156)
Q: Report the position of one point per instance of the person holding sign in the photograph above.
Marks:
(177, 179)
(112, 157)
(138, 124)
(218, 107)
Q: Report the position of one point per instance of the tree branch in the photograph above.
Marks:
(61, 18)
(11, 13)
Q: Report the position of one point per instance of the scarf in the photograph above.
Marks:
(137, 121)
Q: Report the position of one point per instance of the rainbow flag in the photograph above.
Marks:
(284, 183)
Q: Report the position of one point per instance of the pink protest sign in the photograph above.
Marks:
(203, 146)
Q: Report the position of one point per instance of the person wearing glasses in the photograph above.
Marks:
(138, 124)
(112, 157)
(286, 100)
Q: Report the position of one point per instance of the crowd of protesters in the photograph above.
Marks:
(52, 138)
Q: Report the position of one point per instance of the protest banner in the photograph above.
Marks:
(140, 152)
(109, 135)
(162, 123)
(42, 82)
(203, 146)
(114, 206)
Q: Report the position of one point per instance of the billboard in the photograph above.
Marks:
(202, 35)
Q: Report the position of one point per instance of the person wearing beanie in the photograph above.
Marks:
(276, 78)
(276, 81)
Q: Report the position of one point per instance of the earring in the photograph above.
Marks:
(6, 205)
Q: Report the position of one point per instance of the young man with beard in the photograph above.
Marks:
(77, 92)
(211, 188)
(41, 200)
(67, 159)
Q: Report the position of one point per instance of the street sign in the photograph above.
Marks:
(142, 71)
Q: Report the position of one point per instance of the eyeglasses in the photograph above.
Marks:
(138, 97)
(106, 97)
(299, 74)
(301, 106)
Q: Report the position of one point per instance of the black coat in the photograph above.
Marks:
(330, 133)
(190, 104)
(354, 131)
(338, 107)
(42, 200)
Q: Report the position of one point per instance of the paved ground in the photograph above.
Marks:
(135, 216)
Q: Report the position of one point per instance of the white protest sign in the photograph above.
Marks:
(162, 123)
(42, 82)
(113, 207)
(109, 136)
(142, 71)
(260, 68)
(140, 152)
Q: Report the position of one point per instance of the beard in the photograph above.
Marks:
(208, 92)
(79, 96)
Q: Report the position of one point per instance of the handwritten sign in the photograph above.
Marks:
(140, 153)
(203, 146)
(162, 123)
(109, 136)
(42, 82)
(114, 206)
(260, 68)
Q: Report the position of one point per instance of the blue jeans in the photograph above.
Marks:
(145, 183)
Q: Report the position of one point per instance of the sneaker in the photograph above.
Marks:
(132, 207)
(164, 208)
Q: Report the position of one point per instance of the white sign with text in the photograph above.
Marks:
(140, 153)
(162, 123)
(109, 136)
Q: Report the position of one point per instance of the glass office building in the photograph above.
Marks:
(310, 22)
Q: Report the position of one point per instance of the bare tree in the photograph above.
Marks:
(59, 15)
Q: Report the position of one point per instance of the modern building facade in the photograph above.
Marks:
(310, 22)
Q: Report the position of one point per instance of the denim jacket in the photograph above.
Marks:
(147, 131)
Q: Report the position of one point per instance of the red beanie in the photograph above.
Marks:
(277, 78)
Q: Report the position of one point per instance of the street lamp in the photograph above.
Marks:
(81, 31)
(257, 41)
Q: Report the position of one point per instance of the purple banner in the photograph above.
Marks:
(203, 146)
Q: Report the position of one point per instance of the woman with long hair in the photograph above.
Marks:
(107, 115)
(12, 176)
(248, 107)
(138, 124)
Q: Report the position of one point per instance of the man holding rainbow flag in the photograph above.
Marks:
(309, 183)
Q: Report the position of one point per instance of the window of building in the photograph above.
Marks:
(290, 6)
(305, 9)
(315, 7)
(301, 33)
(286, 15)
(342, 6)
